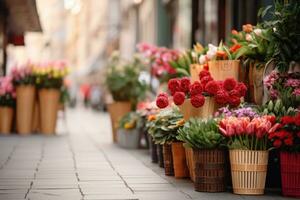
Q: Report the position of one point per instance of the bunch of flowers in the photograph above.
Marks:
(286, 134)
(237, 112)
(285, 87)
(7, 91)
(159, 58)
(23, 75)
(248, 134)
(50, 74)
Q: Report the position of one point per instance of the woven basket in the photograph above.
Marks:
(222, 69)
(160, 155)
(190, 162)
(290, 174)
(179, 160)
(209, 170)
(153, 149)
(248, 171)
(195, 69)
(168, 160)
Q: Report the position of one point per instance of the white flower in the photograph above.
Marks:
(202, 59)
(211, 54)
(258, 31)
(248, 37)
(212, 47)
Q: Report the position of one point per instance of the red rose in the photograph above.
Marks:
(174, 85)
(163, 94)
(197, 100)
(229, 84)
(282, 134)
(287, 120)
(277, 143)
(288, 141)
(185, 84)
(206, 67)
(298, 134)
(242, 88)
(204, 73)
(271, 118)
(222, 97)
(234, 101)
(205, 80)
(297, 120)
(234, 92)
(196, 88)
(212, 87)
(162, 101)
(179, 98)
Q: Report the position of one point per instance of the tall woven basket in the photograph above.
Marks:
(190, 162)
(248, 171)
(209, 170)
(168, 160)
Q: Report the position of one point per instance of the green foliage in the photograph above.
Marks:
(164, 127)
(201, 134)
(131, 120)
(7, 100)
(43, 81)
(64, 95)
(122, 80)
(276, 108)
(27, 80)
(182, 64)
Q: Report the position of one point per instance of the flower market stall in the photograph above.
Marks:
(228, 108)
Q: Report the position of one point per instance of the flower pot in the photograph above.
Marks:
(189, 111)
(117, 110)
(160, 155)
(256, 87)
(129, 139)
(25, 108)
(6, 118)
(36, 117)
(195, 69)
(179, 160)
(222, 69)
(209, 170)
(49, 99)
(190, 162)
(168, 160)
(290, 174)
(248, 171)
(153, 149)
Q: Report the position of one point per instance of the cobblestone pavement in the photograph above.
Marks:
(83, 164)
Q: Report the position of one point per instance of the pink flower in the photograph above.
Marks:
(292, 83)
(296, 92)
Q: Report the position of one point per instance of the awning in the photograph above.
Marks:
(22, 16)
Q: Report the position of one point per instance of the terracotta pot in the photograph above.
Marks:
(36, 117)
(25, 107)
(209, 170)
(6, 118)
(248, 171)
(207, 110)
(222, 69)
(179, 160)
(117, 110)
(290, 174)
(195, 69)
(49, 99)
(168, 160)
(190, 162)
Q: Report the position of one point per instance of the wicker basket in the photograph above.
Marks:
(290, 174)
(209, 170)
(222, 69)
(190, 162)
(195, 69)
(168, 160)
(160, 155)
(248, 171)
(179, 160)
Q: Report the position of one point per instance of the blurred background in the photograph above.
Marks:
(86, 32)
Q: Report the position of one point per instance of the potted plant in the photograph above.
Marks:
(122, 80)
(286, 138)
(49, 80)
(208, 167)
(164, 131)
(7, 103)
(24, 81)
(128, 135)
(248, 151)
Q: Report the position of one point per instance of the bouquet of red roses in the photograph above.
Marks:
(247, 134)
(286, 135)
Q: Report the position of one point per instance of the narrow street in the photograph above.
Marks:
(84, 164)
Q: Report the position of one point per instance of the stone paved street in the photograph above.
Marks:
(83, 164)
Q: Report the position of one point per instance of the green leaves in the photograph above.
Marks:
(182, 64)
(201, 134)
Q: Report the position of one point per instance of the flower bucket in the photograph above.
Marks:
(129, 139)
(190, 162)
(248, 171)
(222, 69)
(179, 160)
(6, 118)
(117, 110)
(49, 99)
(195, 69)
(290, 174)
(25, 108)
(153, 149)
(256, 83)
(209, 170)
(188, 111)
(160, 155)
(36, 117)
(168, 160)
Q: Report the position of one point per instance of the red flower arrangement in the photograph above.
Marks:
(286, 134)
